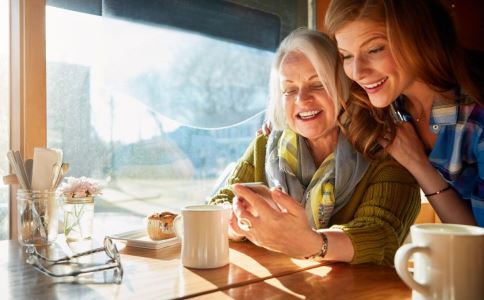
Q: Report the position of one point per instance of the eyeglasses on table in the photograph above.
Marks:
(74, 268)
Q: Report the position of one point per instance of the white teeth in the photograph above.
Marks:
(308, 114)
(374, 85)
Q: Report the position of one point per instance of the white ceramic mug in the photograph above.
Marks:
(448, 262)
(203, 230)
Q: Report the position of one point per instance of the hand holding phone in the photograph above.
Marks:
(262, 190)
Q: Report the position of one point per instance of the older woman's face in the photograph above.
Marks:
(367, 59)
(309, 110)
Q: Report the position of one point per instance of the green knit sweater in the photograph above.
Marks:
(378, 217)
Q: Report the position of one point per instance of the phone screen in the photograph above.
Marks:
(259, 188)
(262, 190)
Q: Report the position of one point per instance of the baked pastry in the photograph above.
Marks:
(160, 226)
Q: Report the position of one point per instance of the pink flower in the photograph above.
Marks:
(80, 187)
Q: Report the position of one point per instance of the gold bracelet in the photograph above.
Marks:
(324, 249)
(448, 187)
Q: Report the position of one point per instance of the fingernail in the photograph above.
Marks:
(277, 189)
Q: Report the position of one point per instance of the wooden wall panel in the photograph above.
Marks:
(321, 7)
(468, 17)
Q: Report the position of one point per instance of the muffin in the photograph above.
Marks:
(160, 226)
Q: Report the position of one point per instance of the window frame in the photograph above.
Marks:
(28, 121)
(28, 113)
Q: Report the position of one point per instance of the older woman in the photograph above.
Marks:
(334, 204)
(406, 54)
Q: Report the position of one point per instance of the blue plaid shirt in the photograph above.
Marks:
(458, 153)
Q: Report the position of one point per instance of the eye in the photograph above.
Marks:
(345, 57)
(317, 86)
(376, 49)
(288, 91)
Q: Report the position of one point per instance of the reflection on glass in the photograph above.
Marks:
(155, 112)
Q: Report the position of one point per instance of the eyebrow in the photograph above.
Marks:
(310, 78)
(377, 36)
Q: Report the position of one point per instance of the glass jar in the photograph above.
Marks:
(37, 217)
(78, 217)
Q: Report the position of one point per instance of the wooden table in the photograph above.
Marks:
(253, 272)
(334, 281)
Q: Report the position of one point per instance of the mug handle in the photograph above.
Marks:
(401, 265)
(178, 226)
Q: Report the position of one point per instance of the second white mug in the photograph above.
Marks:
(203, 230)
(448, 262)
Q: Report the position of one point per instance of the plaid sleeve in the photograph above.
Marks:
(477, 198)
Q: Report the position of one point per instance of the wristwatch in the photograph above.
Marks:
(324, 249)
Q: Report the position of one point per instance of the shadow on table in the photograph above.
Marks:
(334, 281)
(240, 282)
(326, 281)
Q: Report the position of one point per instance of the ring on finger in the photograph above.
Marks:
(244, 224)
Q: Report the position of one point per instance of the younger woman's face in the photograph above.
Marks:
(367, 59)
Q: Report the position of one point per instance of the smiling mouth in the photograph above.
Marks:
(375, 85)
(308, 115)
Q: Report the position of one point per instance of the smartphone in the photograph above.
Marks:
(259, 188)
(262, 190)
(398, 114)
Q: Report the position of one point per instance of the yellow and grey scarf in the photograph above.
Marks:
(322, 190)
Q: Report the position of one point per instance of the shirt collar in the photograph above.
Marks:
(446, 112)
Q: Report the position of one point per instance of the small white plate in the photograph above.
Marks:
(139, 238)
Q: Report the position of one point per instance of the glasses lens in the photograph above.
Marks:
(111, 249)
(118, 274)
(65, 267)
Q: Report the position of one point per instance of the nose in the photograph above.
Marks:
(360, 68)
(303, 94)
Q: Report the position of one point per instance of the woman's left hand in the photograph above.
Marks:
(286, 230)
(407, 148)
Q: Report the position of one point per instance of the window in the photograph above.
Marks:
(4, 116)
(156, 106)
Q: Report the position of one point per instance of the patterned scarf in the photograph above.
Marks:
(322, 190)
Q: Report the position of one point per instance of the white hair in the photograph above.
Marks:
(321, 51)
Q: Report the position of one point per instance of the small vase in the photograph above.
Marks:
(78, 217)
